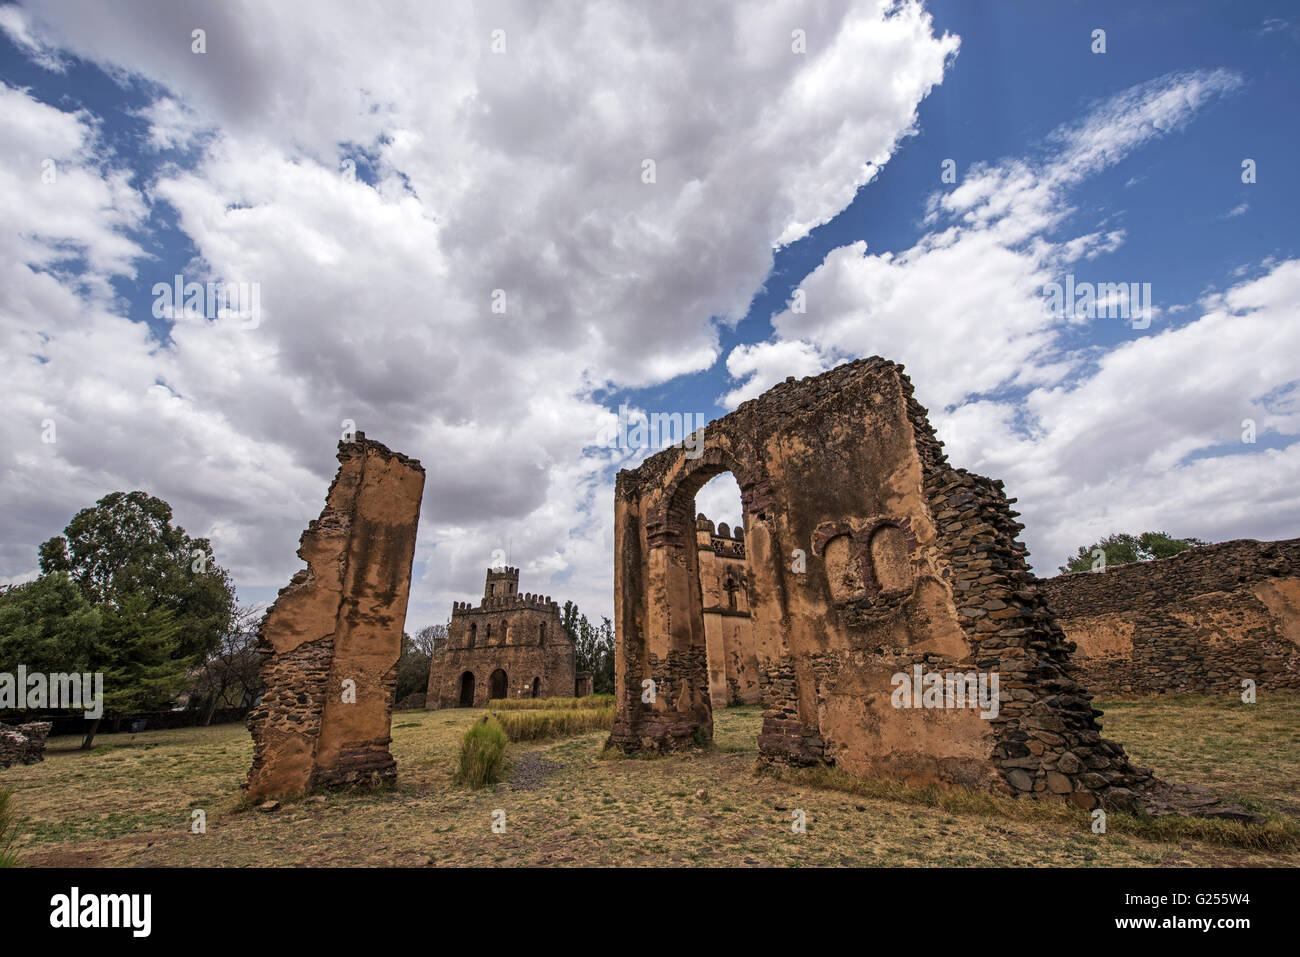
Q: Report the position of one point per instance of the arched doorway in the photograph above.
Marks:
(537, 687)
(467, 690)
(498, 685)
(730, 641)
(659, 602)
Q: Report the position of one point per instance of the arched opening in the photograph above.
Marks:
(664, 558)
(467, 690)
(537, 687)
(473, 633)
(722, 573)
(498, 685)
(541, 634)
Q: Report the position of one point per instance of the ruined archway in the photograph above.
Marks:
(498, 684)
(874, 568)
(662, 679)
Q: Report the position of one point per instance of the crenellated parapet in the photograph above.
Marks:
(527, 601)
(722, 540)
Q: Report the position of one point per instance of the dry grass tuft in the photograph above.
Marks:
(482, 753)
(535, 725)
(596, 701)
(8, 829)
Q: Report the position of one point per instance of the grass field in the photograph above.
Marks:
(130, 802)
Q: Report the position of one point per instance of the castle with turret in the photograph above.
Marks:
(510, 645)
(728, 627)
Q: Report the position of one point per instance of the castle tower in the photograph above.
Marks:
(510, 645)
(728, 627)
(501, 582)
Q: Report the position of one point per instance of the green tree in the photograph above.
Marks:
(1123, 548)
(603, 674)
(412, 669)
(163, 601)
(126, 545)
(46, 625)
(138, 652)
(569, 621)
(593, 647)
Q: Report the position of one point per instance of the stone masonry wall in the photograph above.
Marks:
(1200, 621)
(330, 643)
(868, 556)
(1048, 738)
(24, 743)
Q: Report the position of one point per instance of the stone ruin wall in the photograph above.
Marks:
(513, 645)
(728, 626)
(23, 743)
(1200, 621)
(339, 621)
(907, 562)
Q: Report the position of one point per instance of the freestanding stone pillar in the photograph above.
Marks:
(330, 642)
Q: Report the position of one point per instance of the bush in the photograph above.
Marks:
(8, 830)
(482, 753)
(529, 725)
(551, 704)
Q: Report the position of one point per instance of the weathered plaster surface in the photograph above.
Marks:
(330, 642)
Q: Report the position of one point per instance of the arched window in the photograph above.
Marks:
(473, 633)
(489, 631)
(541, 635)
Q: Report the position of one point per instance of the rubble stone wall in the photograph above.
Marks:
(24, 743)
(1201, 621)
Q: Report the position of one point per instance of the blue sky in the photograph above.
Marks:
(1026, 67)
(520, 171)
